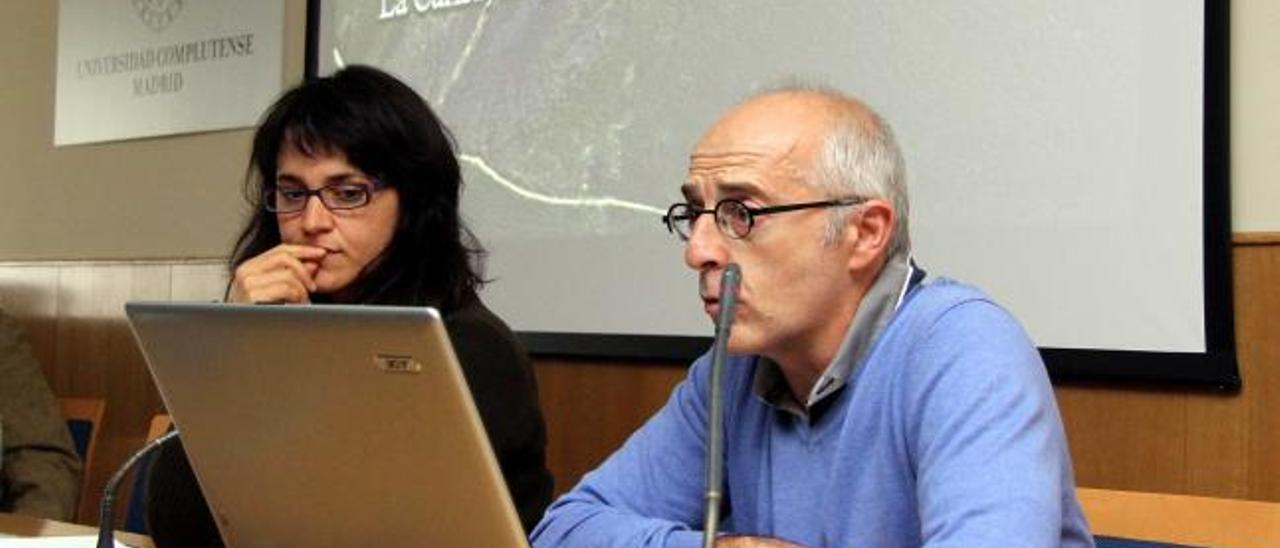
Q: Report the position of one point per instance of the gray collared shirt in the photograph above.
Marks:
(874, 312)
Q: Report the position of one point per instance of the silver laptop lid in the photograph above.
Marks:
(327, 425)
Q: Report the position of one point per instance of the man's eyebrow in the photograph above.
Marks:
(737, 187)
(689, 192)
(740, 188)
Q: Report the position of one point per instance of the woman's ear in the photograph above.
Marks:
(868, 232)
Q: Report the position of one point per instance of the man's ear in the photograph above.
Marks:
(869, 231)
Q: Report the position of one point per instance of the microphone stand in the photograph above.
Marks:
(729, 282)
(106, 533)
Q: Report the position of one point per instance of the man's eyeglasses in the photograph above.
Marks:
(735, 218)
(292, 199)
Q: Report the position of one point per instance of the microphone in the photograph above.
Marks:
(106, 533)
(729, 282)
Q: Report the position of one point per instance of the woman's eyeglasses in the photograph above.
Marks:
(293, 198)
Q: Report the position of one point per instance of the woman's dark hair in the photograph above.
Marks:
(387, 131)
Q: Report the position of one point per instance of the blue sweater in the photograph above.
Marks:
(947, 434)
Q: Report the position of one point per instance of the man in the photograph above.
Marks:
(40, 472)
(864, 406)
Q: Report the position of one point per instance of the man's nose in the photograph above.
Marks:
(705, 249)
(316, 217)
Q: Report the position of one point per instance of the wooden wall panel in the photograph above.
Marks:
(30, 294)
(1193, 441)
(1136, 438)
(1155, 439)
(74, 315)
(1258, 336)
(592, 407)
(1106, 449)
(97, 357)
(199, 281)
(1218, 432)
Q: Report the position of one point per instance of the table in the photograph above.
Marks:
(17, 525)
(1183, 519)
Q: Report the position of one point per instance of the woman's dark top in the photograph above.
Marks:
(501, 379)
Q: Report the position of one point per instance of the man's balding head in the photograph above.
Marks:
(839, 145)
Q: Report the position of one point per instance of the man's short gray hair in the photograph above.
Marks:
(859, 157)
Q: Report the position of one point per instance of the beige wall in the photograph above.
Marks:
(162, 197)
(178, 197)
(1255, 116)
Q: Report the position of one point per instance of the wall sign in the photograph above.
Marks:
(142, 68)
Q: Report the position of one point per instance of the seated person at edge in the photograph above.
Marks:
(864, 405)
(355, 189)
(39, 468)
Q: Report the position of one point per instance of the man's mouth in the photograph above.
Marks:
(711, 295)
(711, 304)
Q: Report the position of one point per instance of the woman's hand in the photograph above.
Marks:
(282, 274)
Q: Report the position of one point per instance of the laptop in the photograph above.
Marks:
(327, 425)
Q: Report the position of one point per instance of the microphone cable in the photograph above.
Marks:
(106, 529)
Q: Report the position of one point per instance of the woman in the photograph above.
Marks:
(355, 188)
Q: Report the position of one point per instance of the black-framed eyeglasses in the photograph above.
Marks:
(735, 218)
(346, 195)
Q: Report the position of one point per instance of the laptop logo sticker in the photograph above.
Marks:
(391, 363)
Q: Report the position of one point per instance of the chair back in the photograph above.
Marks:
(84, 420)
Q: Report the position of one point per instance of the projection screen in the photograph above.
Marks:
(1067, 157)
